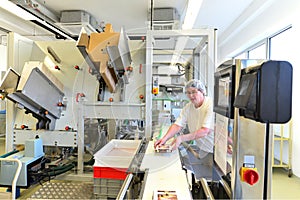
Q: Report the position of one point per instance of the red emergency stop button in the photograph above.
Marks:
(155, 91)
(249, 175)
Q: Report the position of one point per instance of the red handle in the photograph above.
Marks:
(251, 176)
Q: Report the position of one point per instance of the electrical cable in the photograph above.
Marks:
(50, 172)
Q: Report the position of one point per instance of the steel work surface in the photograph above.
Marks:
(165, 173)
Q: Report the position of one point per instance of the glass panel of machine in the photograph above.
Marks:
(224, 91)
(223, 99)
(246, 85)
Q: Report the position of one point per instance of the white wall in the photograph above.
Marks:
(262, 19)
(3, 64)
(3, 57)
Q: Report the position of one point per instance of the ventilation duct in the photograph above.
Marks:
(66, 26)
(37, 9)
(73, 21)
(165, 19)
(43, 17)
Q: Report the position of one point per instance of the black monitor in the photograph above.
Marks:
(224, 88)
(246, 97)
(265, 92)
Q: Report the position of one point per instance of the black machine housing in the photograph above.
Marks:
(265, 92)
(224, 88)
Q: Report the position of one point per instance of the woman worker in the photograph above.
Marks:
(198, 116)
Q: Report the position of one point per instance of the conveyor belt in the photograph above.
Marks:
(164, 173)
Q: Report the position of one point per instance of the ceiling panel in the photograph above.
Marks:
(133, 14)
(220, 14)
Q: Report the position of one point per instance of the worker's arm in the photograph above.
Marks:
(202, 132)
(174, 128)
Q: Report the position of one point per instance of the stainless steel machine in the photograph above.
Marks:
(77, 96)
(59, 93)
(250, 95)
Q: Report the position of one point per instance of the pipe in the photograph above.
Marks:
(206, 189)
(226, 187)
(9, 153)
(151, 15)
(125, 187)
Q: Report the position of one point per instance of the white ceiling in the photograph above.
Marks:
(133, 14)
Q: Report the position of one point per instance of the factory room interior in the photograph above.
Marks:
(149, 99)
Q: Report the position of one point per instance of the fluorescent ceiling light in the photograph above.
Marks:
(180, 46)
(191, 13)
(26, 15)
(16, 10)
(188, 23)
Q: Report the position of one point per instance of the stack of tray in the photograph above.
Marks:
(111, 164)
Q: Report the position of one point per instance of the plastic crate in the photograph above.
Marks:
(107, 188)
(113, 160)
(110, 173)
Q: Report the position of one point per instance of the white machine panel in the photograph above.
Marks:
(50, 138)
(114, 111)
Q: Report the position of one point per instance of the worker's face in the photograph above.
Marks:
(195, 96)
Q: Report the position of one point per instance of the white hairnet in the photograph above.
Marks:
(196, 84)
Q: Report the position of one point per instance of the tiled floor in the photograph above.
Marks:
(283, 187)
(2, 145)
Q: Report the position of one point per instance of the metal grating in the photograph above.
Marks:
(64, 190)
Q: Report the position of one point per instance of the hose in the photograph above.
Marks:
(61, 171)
(89, 162)
(61, 167)
(54, 171)
(9, 153)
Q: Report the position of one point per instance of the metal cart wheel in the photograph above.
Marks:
(290, 174)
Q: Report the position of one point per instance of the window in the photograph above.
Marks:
(277, 47)
(280, 45)
(241, 56)
(256, 51)
(259, 52)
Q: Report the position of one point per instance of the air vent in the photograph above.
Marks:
(166, 25)
(73, 21)
(165, 19)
